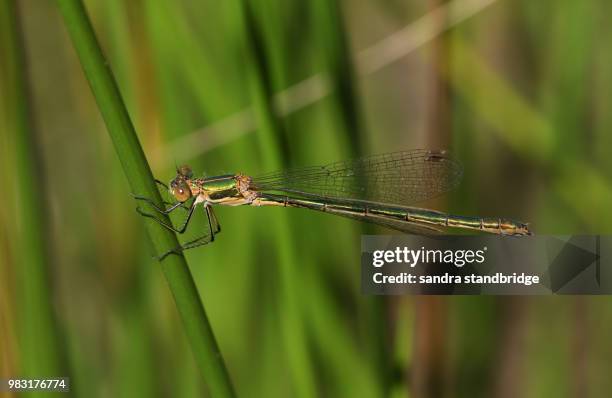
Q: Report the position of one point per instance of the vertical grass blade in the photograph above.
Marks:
(140, 178)
(40, 345)
(270, 136)
(338, 64)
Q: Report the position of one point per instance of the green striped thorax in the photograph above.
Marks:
(218, 189)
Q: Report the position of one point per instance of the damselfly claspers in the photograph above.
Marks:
(378, 189)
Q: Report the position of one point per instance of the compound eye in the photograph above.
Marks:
(181, 192)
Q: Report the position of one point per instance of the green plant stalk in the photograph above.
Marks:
(140, 178)
(41, 348)
(339, 67)
(270, 134)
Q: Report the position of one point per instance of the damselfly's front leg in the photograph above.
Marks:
(175, 205)
(202, 240)
(168, 226)
(161, 183)
(156, 208)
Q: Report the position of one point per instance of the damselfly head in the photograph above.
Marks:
(179, 187)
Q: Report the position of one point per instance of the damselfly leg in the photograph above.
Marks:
(182, 228)
(200, 241)
(156, 208)
(163, 184)
(175, 205)
(212, 217)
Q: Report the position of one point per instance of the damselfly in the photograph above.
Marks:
(378, 189)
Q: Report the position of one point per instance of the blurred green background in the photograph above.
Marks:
(518, 90)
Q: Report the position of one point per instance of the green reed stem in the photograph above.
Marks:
(140, 178)
(269, 138)
(337, 62)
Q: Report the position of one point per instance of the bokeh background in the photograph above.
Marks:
(519, 90)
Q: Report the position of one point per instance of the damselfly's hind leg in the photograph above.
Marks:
(212, 220)
(202, 240)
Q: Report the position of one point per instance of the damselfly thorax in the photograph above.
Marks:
(227, 190)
